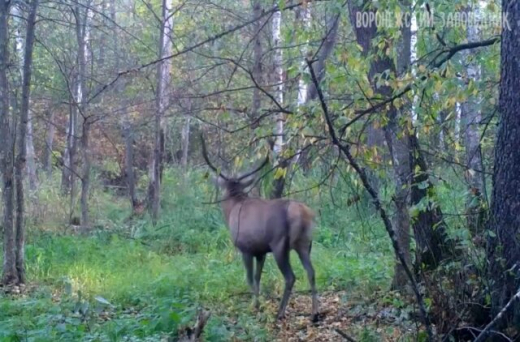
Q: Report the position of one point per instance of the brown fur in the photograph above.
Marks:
(260, 226)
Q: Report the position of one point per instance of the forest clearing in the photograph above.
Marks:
(253, 170)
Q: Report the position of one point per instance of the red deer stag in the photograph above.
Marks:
(259, 226)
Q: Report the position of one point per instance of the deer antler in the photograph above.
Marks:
(264, 163)
(205, 155)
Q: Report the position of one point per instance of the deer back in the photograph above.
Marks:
(258, 225)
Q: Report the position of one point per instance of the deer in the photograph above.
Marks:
(260, 226)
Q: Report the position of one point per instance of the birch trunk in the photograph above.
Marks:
(257, 66)
(186, 140)
(49, 141)
(83, 36)
(279, 80)
(162, 102)
(470, 120)
(279, 182)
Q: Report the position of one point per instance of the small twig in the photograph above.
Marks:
(344, 335)
(498, 317)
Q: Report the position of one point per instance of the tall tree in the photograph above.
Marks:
(82, 16)
(503, 250)
(162, 101)
(125, 122)
(397, 143)
(470, 120)
(257, 62)
(9, 275)
(30, 155)
(280, 117)
(22, 142)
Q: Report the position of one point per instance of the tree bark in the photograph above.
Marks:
(323, 55)
(397, 144)
(257, 63)
(68, 172)
(9, 275)
(186, 140)
(82, 36)
(126, 124)
(163, 80)
(470, 120)
(278, 184)
(49, 141)
(22, 141)
(20, 51)
(364, 35)
(429, 228)
(503, 250)
(399, 149)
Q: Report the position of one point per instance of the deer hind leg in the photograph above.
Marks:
(304, 252)
(281, 255)
(260, 259)
(248, 263)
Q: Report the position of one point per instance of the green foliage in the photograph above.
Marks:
(131, 280)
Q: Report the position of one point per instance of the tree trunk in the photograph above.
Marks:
(397, 145)
(22, 140)
(319, 70)
(85, 177)
(129, 161)
(162, 101)
(470, 120)
(399, 149)
(186, 140)
(429, 228)
(31, 155)
(49, 141)
(279, 181)
(126, 125)
(364, 35)
(10, 274)
(326, 50)
(257, 66)
(82, 35)
(279, 80)
(503, 250)
(68, 167)
(20, 51)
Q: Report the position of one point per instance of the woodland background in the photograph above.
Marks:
(401, 138)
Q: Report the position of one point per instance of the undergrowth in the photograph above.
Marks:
(129, 280)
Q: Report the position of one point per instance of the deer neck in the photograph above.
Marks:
(229, 203)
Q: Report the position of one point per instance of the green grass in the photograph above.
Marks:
(133, 281)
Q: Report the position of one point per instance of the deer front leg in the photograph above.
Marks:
(248, 263)
(260, 259)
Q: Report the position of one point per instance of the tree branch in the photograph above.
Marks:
(375, 199)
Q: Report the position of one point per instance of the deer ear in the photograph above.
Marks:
(218, 180)
(248, 181)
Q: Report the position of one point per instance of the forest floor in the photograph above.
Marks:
(104, 288)
(343, 321)
(128, 280)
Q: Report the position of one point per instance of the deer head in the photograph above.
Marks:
(233, 186)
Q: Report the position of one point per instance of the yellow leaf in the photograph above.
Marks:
(280, 173)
